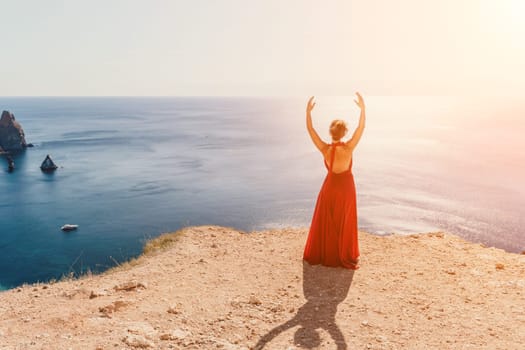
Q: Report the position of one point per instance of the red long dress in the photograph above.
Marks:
(332, 240)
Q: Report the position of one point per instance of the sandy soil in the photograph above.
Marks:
(216, 288)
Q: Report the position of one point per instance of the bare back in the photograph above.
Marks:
(342, 157)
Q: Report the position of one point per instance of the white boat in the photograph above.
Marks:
(69, 227)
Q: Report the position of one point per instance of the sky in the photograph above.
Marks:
(261, 48)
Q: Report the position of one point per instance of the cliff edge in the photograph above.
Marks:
(216, 288)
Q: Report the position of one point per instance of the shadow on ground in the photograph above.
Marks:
(324, 289)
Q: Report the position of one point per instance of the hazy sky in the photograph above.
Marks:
(266, 47)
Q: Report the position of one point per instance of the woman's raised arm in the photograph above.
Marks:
(359, 131)
(320, 144)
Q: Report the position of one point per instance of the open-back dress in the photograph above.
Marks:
(332, 240)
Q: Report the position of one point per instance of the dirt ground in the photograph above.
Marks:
(216, 288)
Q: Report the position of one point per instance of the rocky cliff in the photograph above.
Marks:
(12, 136)
(215, 288)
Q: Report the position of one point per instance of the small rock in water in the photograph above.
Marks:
(48, 165)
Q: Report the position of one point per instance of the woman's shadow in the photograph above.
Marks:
(324, 288)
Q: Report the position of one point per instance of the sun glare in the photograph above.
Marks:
(518, 12)
(513, 15)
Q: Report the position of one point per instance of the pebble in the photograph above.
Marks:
(111, 308)
(254, 300)
(95, 294)
(173, 310)
(129, 286)
(176, 334)
(137, 341)
(381, 339)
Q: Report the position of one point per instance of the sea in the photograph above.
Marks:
(132, 168)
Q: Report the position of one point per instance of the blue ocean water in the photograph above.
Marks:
(133, 168)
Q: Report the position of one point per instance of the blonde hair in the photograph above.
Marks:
(338, 129)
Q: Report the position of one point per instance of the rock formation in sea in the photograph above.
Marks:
(48, 164)
(10, 163)
(12, 136)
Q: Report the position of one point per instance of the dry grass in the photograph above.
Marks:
(151, 247)
(161, 242)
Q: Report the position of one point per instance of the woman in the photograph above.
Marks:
(332, 240)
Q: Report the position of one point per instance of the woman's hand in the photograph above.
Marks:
(310, 105)
(320, 144)
(359, 131)
(359, 102)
